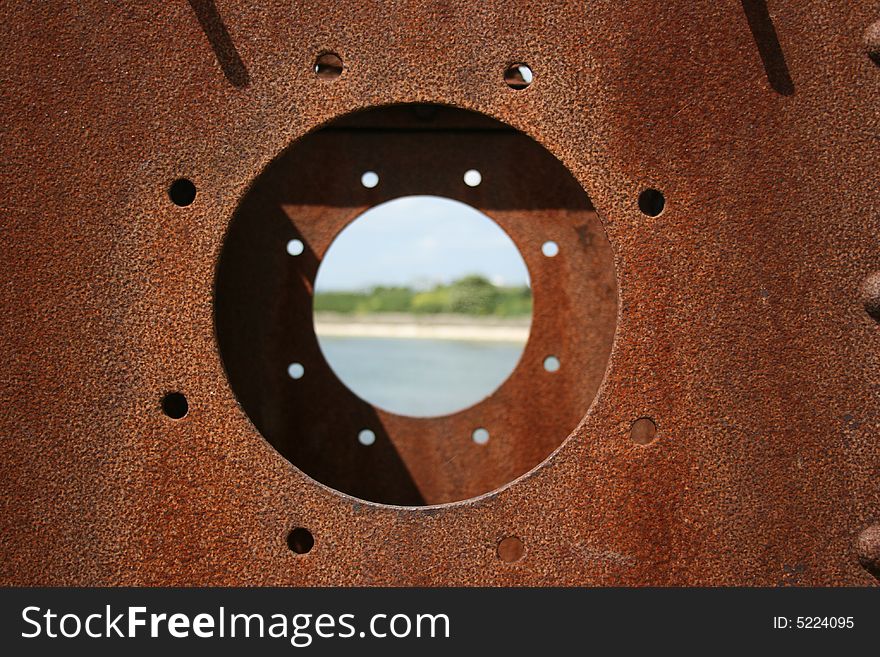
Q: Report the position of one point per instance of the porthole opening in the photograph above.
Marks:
(392, 359)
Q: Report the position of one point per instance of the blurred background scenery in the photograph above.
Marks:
(473, 295)
(422, 306)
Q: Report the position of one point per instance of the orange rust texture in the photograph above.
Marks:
(741, 331)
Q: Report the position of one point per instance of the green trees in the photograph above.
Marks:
(471, 295)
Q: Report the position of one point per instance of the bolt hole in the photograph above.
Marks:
(328, 66)
(550, 249)
(643, 431)
(366, 437)
(175, 406)
(370, 179)
(300, 540)
(518, 76)
(182, 192)
(480, 436)
(510, 549)
(472, 178)
(551, 364)
(652, 202)
(870, 293)
(296, 371)
(295, 247)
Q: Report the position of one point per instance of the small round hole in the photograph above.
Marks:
(551, 364)
(295, 247)
(651, 202)
(300, 540)
(643, 431)
(549, 249)
(366, 437)
(480, 436)
(518, 76)
(510, 549)
(182, 192)
(295, 370)
(472, 178)
(370, 179)
(174, 405)
(328, 66)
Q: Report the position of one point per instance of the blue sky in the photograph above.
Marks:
(419, 241)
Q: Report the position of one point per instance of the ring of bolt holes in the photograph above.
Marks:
(651, 202)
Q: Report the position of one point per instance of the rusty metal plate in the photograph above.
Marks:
(744, 314)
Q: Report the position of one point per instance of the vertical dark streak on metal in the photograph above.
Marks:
(218, 36)
(767, 41)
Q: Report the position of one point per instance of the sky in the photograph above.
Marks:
(419, 241)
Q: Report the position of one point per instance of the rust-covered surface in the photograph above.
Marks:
(744, 329)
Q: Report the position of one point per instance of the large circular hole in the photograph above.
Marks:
(422, 306)
(392, 306)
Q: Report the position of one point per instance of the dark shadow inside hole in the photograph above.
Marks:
(328, 66)
(174, 405)
(182, 192)
(652, 202)
(262, 299)
(300, 540)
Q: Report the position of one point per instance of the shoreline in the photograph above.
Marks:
(423, 327)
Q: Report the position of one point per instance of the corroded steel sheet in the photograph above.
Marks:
(732, 438)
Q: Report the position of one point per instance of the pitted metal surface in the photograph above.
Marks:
(743, 331)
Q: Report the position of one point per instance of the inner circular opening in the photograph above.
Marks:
(422, 306)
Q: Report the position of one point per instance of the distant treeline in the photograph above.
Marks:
(471, 295)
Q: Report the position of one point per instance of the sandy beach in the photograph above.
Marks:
(429, 327)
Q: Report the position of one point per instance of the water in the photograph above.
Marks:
(420, 377)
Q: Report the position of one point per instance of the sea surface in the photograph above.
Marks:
(417, 376)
